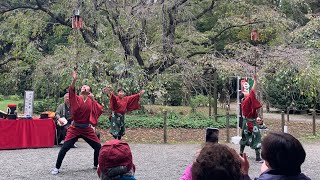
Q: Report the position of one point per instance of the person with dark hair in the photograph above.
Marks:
(283, 156)
(115, 161)
(250, 132)
(217, 161)
(120, 104)
(212, 136)
(85, 111)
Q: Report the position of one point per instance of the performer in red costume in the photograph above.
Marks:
(120, 105)
(85, 111)
(250, 130)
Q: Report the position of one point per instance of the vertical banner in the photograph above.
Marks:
(246, 85)
(28, 103)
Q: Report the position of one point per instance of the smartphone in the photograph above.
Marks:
(212, 135)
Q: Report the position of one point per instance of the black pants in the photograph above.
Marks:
(67, 145)
(61, 133)
(117, 137)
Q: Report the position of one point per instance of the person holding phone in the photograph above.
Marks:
(212, 137)
(85, 112)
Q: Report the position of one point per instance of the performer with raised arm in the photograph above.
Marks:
(85, 112)
(250, 131)
(119, 105)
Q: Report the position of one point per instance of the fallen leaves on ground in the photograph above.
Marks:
(300, 129)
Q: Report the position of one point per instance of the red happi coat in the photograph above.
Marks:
(250, 106)
(127, 103)
(83, 112)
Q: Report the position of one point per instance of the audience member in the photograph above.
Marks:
(217, 161)
(115, 161)
(211, 137)
(283, 156)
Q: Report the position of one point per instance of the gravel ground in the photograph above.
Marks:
(153, 162)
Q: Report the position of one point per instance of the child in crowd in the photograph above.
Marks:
(261, 124)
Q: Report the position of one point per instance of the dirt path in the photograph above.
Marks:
(153, 161)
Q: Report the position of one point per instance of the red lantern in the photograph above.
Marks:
(254, 35)
(77, 22)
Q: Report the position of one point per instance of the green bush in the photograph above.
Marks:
(42, 105)
(282, 90)
(45, 105)
(1, 97)
(20, 107)
(198, 101)
(174, 120)
(14, 98)
(174, 92)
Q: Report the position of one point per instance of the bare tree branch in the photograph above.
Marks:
(8, 59)
(87, 35)
(234, 26)
(51, 14)
(176, 5)
(198, 16)
(197, 53)
(158, 67)
(5, 8)
(219, 34)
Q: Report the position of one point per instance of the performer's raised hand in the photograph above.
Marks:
(244, 164)
(91, 96)
(141, 92)
(106, 90)
(74, 75)
(255, 78)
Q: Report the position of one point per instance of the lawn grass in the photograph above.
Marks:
(4, 104)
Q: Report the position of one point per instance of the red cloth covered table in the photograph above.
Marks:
(31, 133)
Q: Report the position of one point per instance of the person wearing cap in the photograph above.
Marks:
(85, 112)
(250, 131)
(120, 104)
(115, 161)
